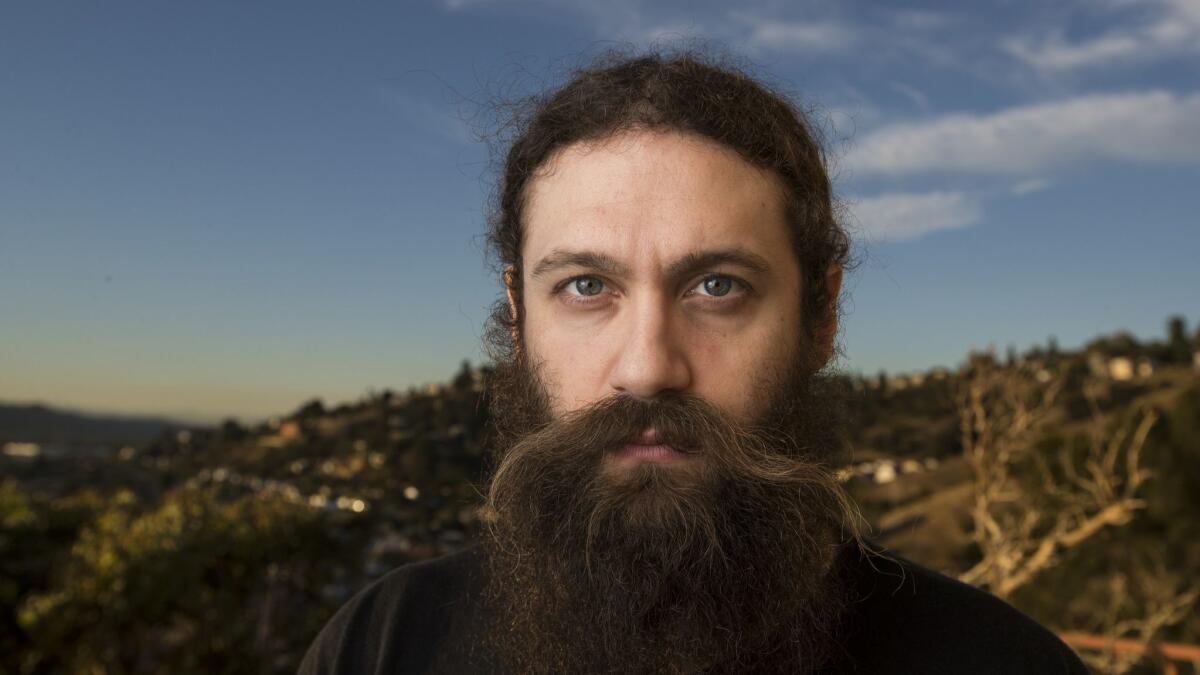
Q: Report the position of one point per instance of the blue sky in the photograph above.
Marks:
(226, 208)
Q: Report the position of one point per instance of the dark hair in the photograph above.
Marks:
(687, 93)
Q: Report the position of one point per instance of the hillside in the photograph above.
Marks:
(253, 536)
(35, 423)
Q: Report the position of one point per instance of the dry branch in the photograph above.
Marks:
(1022, 526)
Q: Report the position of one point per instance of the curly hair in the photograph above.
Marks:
(686, 93)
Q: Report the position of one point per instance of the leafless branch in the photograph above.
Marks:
(1022, 527)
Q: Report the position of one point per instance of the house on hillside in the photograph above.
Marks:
(331, 426)
(1146, 367)
(23, 450)
(1120, 368)
(285, 432)
(1124, 368)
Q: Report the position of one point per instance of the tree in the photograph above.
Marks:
(311, 410)
(232, 431)
(1027, 510)
(1178, 349)
(1054, 516)
(464, 379)
(196, 585)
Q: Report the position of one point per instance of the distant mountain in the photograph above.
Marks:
(36, 423)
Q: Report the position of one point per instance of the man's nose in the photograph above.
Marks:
(651, 359)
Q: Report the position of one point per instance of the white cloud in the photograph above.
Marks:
(1154, 126)
(803, 36)
(1052, 53)
(1030, 186)
(443, 120)
(670, 32)
(879, 34)
(645, 21)
(898, 216)
(634, 20)
(1164, 28)
(919, 19)
(913, 94)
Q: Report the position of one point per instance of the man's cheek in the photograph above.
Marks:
(573, 390)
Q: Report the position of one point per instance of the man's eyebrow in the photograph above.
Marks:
(559, 258)
(694, 262)
(689, 263)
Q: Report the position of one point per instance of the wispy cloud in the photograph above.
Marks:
(1154, 126)
(797, 36)
(1053, 53)
(755, 25)
(879, 33)
(442, 120)
(900, 216)
(920, 19)
(613, 19)
(669, 32)
(1027, 187)
(1164, 28)
(913, 94)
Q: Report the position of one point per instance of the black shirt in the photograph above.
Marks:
(427, 617)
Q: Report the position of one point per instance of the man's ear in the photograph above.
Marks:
(825, 339)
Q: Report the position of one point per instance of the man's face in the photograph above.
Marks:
(658, 262)
(661, 499)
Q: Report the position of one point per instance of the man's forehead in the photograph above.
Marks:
(652, 198)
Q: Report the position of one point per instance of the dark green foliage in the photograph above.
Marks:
(232, 432)
(1118, 344)
(224, 551)
(35, 539)
(197, 584)
(313, 409)
(1178, 349)
(916, 421)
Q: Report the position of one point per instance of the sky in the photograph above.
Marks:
(228, 208)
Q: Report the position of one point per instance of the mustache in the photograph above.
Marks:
(553, 451)
(568, 450)
(683, 421)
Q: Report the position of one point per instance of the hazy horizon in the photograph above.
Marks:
(217, 415)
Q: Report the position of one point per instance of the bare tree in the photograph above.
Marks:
(1028, 509)
(1139, 605)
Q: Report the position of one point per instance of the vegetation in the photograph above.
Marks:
(224, 550)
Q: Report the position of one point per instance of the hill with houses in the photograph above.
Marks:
(251, 536)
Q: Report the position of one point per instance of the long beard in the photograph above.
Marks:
(722, 563)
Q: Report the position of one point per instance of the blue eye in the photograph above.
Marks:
(588, 286)
(718, 286)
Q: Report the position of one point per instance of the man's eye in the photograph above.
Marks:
(718, 286)
(586, 286)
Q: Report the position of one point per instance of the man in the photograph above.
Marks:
(662, 498)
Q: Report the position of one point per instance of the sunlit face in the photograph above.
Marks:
(658, 261)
